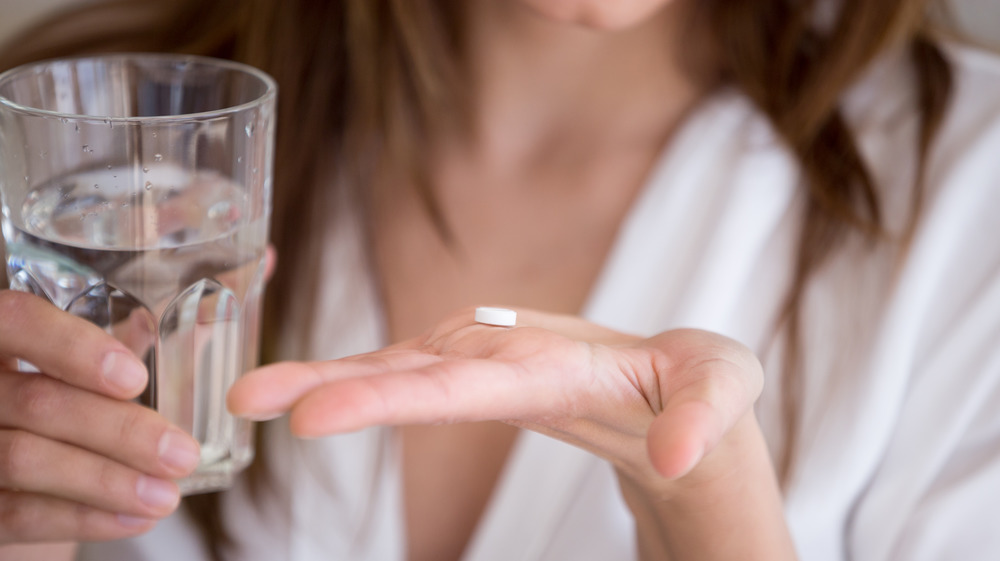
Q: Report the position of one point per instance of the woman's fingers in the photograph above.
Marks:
(30, 517)
(76, 460)
(41, 466)
(442, 392)
(66, 347)
(126, 432)
(270, 391)
(73, 447)
(464, 374)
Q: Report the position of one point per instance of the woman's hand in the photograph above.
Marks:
(653, 407)
(78, 461)
(673, 413)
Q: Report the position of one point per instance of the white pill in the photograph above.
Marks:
(501, 317)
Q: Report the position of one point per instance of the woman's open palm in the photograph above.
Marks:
(653, 407)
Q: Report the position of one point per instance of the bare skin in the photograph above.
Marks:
(567, 122)
(78, 460)
(534, 194)
(528, 198)
(72, 453)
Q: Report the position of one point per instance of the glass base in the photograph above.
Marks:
(217, 476)
(205, 483)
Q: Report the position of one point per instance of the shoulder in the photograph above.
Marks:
(951, 266)
(975, 66)
(883, 109)
(953, 263)
(963, 170)
(970, 133)
(962, 191)
(885, 100)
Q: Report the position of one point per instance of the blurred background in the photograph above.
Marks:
(980, 18)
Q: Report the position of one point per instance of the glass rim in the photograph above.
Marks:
(270, 88)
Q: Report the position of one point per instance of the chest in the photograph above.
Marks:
(519, 246)
(494, 244)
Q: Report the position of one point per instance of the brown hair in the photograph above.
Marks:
(364, 79)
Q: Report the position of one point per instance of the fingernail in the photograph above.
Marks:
(124, 372)
(133, 521)
(179, 451)
(260, 417)
(157, 493)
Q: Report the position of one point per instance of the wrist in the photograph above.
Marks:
(728, 506)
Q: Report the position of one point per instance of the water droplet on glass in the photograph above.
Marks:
(249, 129)
(158, 157)
(86, 147)
(154, 134)
(27, 178)
(254, 171)
(239, 159)
(76, 127)
(65, 121)
(145, 170)
(96, 186)
(109, 166)
(149, 185)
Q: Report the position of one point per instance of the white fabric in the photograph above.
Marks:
(899, 444)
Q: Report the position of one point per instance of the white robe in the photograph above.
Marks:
(899, 441)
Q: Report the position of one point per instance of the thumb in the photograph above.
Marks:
(682, 434)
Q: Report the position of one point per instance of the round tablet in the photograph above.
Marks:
(501, 317)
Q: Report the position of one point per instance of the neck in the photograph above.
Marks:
(536, 82)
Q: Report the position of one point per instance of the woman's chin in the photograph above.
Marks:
(603, 15)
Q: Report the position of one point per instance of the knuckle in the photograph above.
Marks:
(18, 519)
(12, 302)
(81, 349)
(8, 507)
(108, 480)
(17, 458)
(81, 520)
(132, 422)
(85, 522)
(37, 400)
(14, 307)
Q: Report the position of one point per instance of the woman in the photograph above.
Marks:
(789, 178)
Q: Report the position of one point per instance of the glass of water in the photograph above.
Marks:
(136, 193)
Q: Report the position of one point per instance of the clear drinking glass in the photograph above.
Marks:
(136, 193)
